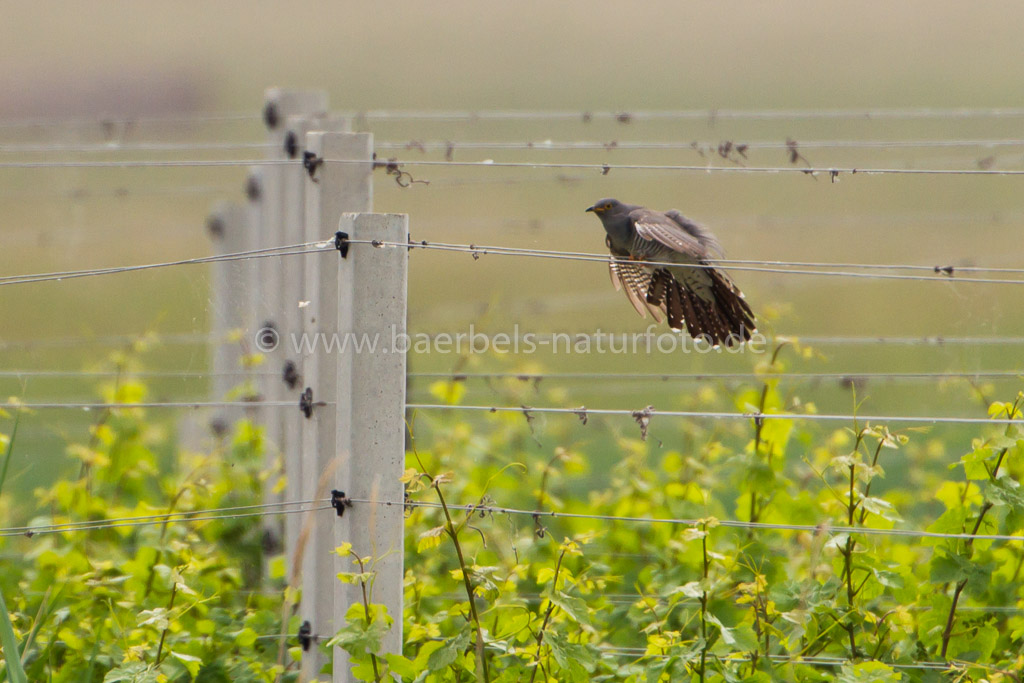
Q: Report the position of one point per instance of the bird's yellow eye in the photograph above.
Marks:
(606, 207)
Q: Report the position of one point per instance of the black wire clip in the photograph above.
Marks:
(290, 374)
(339, 501)
(306, 403)
(253, 188)
(311, 162)
(306, 635)
(270, 115)
(341, 243)
(215, 226)
(291, 144)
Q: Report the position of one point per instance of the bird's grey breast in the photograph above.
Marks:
(621, 233)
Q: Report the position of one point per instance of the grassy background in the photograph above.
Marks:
(147, 59)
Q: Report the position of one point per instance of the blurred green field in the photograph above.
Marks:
(129, 59)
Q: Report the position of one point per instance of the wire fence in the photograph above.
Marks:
(702, 146)
(235, 512)
(200, 338)
(945, 273)
(581, 412)
(117, 132)
(110, 124)
(269, 252)
(644, 654)
(480, 508)
(456, 376)
(649, 412)
(940, 273)
(727, 150)
(833, 172)
(256, 403)
(711, 147)
(628, 116)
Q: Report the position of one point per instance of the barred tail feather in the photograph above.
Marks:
(733, 310)
(675, 307)
(725, 318)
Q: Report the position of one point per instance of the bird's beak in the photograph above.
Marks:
(591, 208)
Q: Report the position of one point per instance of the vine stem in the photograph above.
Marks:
(481, 660)
(758, 427)
(867, 487)
(958, 591)
(542, 494)
(850, 545)
(163, 634)
(366, 611)
(704, 604)
(547, 615)
(171, 507)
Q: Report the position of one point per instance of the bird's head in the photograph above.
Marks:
(604, 207)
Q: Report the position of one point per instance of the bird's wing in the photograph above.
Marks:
(666, 240)
(703, 235)
(658, 227)
(635, 279)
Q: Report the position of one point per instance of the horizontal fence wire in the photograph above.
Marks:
(824, 527)
(613, 598)
(660, 600)
(171, 374)
(155, 163)
(724, 657)
(235, 512)
(651, 413)
(481, 249)
(17, 405)
(529, 411)
(832, 171)
(628, 116)
(168, 338)
(107, 123)
(83, 192)
(809, 660)
(940, 273)
(536, 376)
(192, 338)
(449, 146)
(119, 146)
(314, 505)
(706, 146)
(935, 340)
(665, 376)
(734, 657)
(642, 653)
(269, 252)
(620, 116)
(605, 168)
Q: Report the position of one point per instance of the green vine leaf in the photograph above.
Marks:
(132, 672)
(575, 660)
(445, 656)
(868, 672)
(573, 606)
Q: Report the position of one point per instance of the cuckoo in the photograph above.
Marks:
(646, 245)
